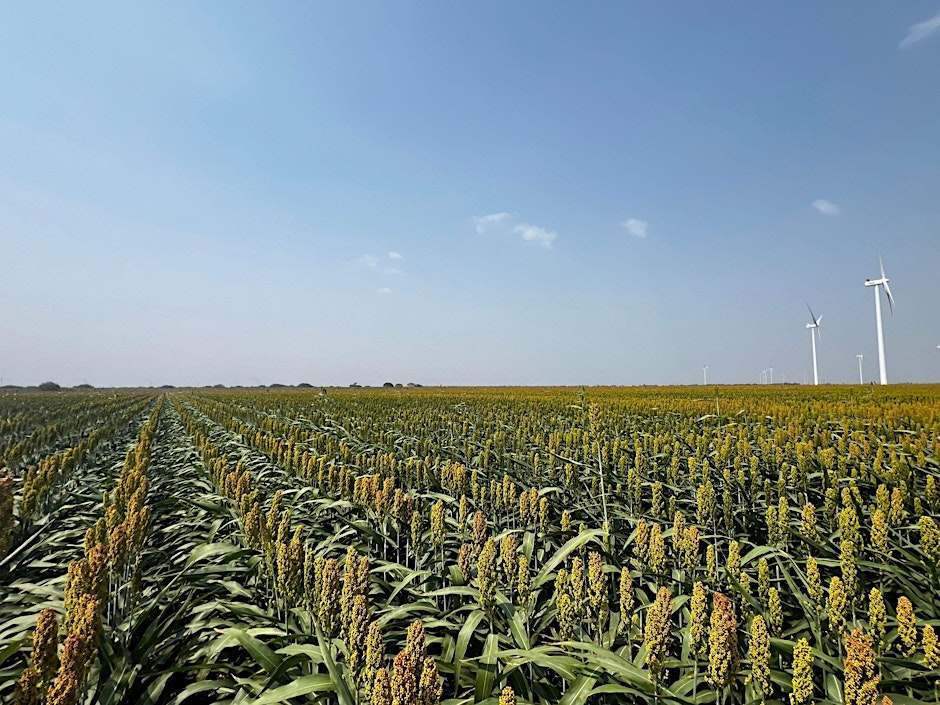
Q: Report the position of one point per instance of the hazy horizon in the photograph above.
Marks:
(463, 195)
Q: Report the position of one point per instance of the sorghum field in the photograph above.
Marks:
(416, 546)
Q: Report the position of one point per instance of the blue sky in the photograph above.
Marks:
(474, 193)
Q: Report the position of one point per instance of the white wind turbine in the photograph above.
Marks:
(814, 333)
(875, 283)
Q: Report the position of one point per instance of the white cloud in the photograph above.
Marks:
(395, 255)
(636, 227)
(394, 271)
(920, 31)
(826, 207)
(485, 223)
(368, 262)
(533, 233)
(384, 291)
(506, 224)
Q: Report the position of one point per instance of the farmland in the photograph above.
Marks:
(677, 545)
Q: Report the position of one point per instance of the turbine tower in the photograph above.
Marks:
(861, 357)
(875, 283)
(813, 334)
(705, 374)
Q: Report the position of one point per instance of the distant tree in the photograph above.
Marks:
(355, 385)
(218, 386)
(388, 385)
(49, 387)
(84, 386)
(304, 385)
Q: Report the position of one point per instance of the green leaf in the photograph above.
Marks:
(264, 656)
(573, 544)
(304, 685)
(579, 691)
(486, 671)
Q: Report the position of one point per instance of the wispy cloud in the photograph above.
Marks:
(533, 233)
(368, 262)
(826, 207)
(505, 224)
(636, 227)
(379, 268)
(920, 31)
(486, 223)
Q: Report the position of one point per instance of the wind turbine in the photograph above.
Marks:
(814, 333)
(705, 374)
(860, 358)
(875, 283)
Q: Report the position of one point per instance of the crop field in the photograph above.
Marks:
(688, 545)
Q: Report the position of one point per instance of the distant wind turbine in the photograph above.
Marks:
(875, 283)
(705, 374)
(813, 334)
(860, 358)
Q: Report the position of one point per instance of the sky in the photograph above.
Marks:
(466, 193)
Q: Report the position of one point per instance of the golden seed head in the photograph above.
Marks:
(381, 688)
(931, 648)
(597, 587)
(775, 610)
(877, 616)
(45, 654)
(509, 553)
(656, 635)
(404, 683)
(438, 524)
(524, 582)
(808, 521)
(859, 670)
(330, 598)
(837, 605)
(802, 673)
(641, 541)
(430, 687)
(722, 643)
(656, 553)
(698, 620)
(733, 566)
(930, 539)
(907, 627)
(486, 575)
(626, 599)
(480, 532)
(507, 697)
(27, 691)
(814, 582)
(711, 564)
(758, 653)
(567, 616)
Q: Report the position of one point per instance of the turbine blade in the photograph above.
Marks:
(812, 315)
(890, 297)
(882, 265)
